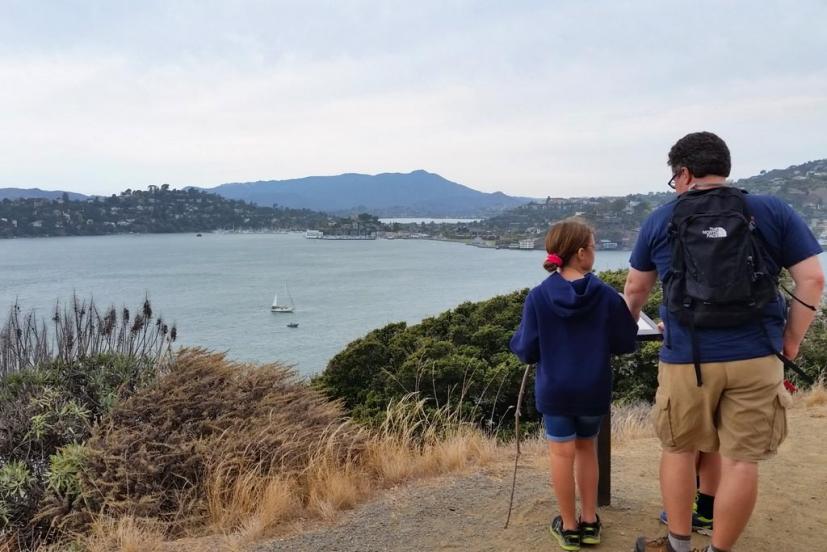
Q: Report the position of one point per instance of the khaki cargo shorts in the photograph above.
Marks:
(740, 410)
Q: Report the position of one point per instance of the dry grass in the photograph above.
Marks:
(815, 396)
(256, 507)
(126, 534)
(414, 442)
(210, 439)
(230, 501)
(631, 422)
(246, 451)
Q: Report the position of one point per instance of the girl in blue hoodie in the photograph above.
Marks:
(572, 322)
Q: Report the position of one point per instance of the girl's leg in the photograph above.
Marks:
(587, 476)
(562, 456)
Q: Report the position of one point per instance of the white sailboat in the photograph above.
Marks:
(282, 308)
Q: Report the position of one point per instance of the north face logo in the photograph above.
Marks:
(714, 232)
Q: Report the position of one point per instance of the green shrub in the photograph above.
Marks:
(46, 414)
(462, 355)
(458, 358)
(65, 467)
(16, 481)
(812, 357)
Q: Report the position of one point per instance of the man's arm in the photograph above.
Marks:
(809, 284)
(638, 286)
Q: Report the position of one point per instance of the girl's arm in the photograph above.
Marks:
(526, 341)
(622, 328)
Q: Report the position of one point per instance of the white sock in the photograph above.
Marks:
(679, 544)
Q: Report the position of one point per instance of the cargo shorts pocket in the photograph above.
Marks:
(778, 427)
(662, 420)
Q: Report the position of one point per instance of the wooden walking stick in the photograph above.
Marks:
(517, 413)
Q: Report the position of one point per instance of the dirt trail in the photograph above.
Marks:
(467, 512)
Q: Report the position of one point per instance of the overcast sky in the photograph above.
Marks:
(530, 98)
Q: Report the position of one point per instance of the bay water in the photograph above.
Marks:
(218, 288)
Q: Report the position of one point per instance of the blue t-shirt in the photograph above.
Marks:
(788, 241)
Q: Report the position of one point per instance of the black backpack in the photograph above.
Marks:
(719, 273)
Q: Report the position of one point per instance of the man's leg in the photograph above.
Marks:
(755, 394)
(683, 416)
(709, 476)
(709, 472)
(734, 502)
(677, 485)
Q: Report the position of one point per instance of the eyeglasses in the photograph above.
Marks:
(675, 176)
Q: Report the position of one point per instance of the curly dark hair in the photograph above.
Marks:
(702, 153)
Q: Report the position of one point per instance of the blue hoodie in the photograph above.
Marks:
(570, 329)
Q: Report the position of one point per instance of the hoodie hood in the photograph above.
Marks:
(572, 299)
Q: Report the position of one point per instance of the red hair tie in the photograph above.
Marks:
(554, 258)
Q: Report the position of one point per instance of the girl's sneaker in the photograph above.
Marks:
(590, 532)
(568, 540)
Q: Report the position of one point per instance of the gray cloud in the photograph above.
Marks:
(532, 98)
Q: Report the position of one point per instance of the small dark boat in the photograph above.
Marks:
(198, 235)
(293, 325)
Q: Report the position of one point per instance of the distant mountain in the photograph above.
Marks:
(37, 193)
(415, 194)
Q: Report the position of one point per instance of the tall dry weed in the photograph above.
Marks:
(815, 395)
(252, 508)
(80, 330)
(414, 441)
(631, 422)
(127, 534)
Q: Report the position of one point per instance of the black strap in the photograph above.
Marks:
(696, 350)
(788, 364)
(790, 293)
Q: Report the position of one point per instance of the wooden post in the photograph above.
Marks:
(604, 462)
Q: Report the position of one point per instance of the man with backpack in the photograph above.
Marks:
(718, 252)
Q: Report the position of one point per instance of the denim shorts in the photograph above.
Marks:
(561, 429)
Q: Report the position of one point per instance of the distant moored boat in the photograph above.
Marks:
(276, 307)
